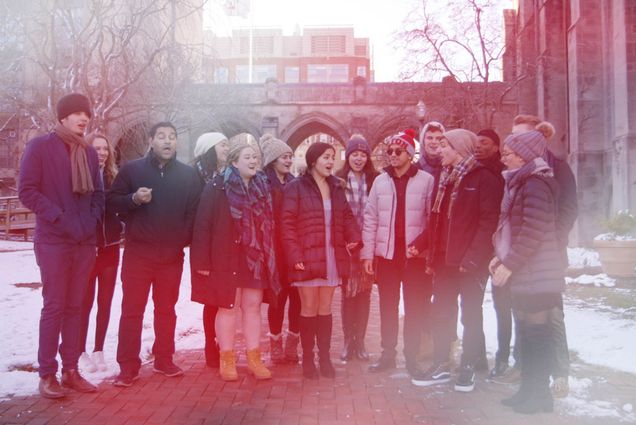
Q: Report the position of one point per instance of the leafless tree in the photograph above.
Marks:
(120, 53)
(462, 41)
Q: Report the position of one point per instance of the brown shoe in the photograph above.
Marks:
(50, 388)
(72, 379)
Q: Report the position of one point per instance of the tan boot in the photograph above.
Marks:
(227, 366)
(255, 365)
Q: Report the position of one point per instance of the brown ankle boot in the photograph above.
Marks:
(50, 388)
(255, 365)
(227, 366)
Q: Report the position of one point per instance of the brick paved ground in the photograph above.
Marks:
(353, 397)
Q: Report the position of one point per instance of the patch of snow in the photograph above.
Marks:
(597, 280)
(579, 403)
(579, 258)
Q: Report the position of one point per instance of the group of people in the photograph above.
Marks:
(431, 230)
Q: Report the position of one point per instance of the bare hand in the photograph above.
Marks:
(462, 270)
(143, 195)
(429, 271)
(493, 265)
(204, 272)
(412, 252)
(299, 266)
(351, 246)
(368, 266)
(501, 275)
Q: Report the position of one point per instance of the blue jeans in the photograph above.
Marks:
(65, 270)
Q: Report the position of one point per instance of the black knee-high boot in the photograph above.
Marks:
(308, 341)
(363, 304)
(323, 338)
(524, 388)
(537, 356)
(348, 317)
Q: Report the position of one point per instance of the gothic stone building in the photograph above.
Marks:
(574, 62)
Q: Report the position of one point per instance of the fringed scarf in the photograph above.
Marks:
(252, 211)
(80, 171)
(452, 176)
(356, 193)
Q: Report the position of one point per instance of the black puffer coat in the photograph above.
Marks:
(216, 247)
(534, 256)
(303, 228)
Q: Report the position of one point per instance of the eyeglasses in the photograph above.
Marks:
(396, 151)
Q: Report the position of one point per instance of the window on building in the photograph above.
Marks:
(221, 75)
(360, 50)
(361, 71)
(260, 73)
(327, 73)
(292, 74)
(328, 44)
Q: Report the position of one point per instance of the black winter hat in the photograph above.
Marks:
(491, 134)
(72, 103)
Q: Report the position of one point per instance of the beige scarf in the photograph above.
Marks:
(80, 172)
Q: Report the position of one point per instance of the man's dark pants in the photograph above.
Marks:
(138, 274)
(502, 302)
(416, 288)
(65, 270)
(448, 283)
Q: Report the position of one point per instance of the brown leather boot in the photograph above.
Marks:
(227, 366)
(50, 388)
(255, 365)
(72, 379)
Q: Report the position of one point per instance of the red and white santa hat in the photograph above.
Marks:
(405, 139)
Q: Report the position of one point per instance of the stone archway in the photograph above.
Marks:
(313, 123)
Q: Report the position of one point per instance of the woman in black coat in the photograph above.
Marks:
(318, 231)
(358, 175)
(527, 259)
(233, 258)
(104, 274)
(277, 160)
(210, 156)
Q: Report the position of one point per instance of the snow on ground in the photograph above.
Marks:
(598, 337)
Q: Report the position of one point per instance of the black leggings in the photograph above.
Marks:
(104, 275)
(275, 315)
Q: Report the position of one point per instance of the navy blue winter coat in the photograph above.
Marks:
(160, 229)
(45, 187)
(534, 255)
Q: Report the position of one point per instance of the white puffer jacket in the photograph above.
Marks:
(378, 232)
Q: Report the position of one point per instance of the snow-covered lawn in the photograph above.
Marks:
(598, 336)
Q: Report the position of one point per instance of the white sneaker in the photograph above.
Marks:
(98, 359)
(86, 364)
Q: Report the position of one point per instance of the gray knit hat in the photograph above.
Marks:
(528, 145)
(463, 141)
(272, 148)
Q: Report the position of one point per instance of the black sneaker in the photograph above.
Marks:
(499, 370)
(168, 369)
(125, 380)
(437, 374)
(465, 382)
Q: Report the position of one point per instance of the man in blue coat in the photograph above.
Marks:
(60, 182)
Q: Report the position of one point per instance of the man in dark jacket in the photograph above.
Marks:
(157, 196)
(59, 181)
(464, 217)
